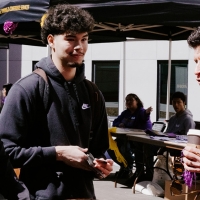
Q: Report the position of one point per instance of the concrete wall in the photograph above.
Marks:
(30, 54)
(138, 67)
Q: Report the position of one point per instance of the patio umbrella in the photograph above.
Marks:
(26, 15)
(115, 20)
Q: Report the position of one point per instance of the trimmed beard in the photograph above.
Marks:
(75, 65)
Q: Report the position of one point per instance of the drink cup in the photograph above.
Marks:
(193, 136)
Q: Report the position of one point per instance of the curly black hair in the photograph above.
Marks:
(65, 18)
(194, 38)
(179, 95)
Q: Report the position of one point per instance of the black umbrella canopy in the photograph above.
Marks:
(147, 19)
(22, 10)
(28, 14)
(115, 20)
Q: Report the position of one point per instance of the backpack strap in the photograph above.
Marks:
(44, 92)
(42, 73)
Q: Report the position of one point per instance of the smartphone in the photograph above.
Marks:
(102, 161)
(90, 162)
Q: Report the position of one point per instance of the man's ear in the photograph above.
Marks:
(50, 40)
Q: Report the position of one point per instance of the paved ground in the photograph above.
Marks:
(105, 190)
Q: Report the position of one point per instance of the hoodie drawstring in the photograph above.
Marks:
(71, 106)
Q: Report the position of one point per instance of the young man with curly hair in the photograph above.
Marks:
(50, 146)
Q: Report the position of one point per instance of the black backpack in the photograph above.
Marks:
(94, 93)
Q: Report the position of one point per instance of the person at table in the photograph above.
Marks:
(182, 120)
(179, 124)
(136, 117)
(191, 155)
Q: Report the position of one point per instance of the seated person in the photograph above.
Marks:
(10, 187)
(135, 116)
(181, 121)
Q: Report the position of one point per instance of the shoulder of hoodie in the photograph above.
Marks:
(188, 117)
(184, 116)
(30, 83)
(187, 114)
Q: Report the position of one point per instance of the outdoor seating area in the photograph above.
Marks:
(167, 142)
(102, 103)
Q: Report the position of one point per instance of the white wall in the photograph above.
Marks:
(138, 68)
(29, 54)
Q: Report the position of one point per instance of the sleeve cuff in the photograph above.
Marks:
(49, 154)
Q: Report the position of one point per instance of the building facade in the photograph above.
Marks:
(139, 67)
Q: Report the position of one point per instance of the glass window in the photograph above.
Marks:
(106, 76)
(33, 65)
(179, 82)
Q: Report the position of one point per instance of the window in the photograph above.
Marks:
(179, 82)
(106, 76)
(33, 65)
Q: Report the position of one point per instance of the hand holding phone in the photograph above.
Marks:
(90, 162)
(101, 161)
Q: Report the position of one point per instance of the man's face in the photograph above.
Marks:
(197, 60)
(70, 49)
(178, 105)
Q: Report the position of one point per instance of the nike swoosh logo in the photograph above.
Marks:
(85, 106)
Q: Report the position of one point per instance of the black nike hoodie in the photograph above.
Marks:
(30, 133)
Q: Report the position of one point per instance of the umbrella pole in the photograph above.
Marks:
(7, 66)
(168, 80)
(124, 74)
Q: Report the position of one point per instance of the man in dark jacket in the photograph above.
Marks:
(50, 145)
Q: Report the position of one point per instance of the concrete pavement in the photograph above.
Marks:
(105, 190)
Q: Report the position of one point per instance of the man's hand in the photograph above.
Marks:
(73, 155)
(191, 159)
(149, 110)
(105, 167)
